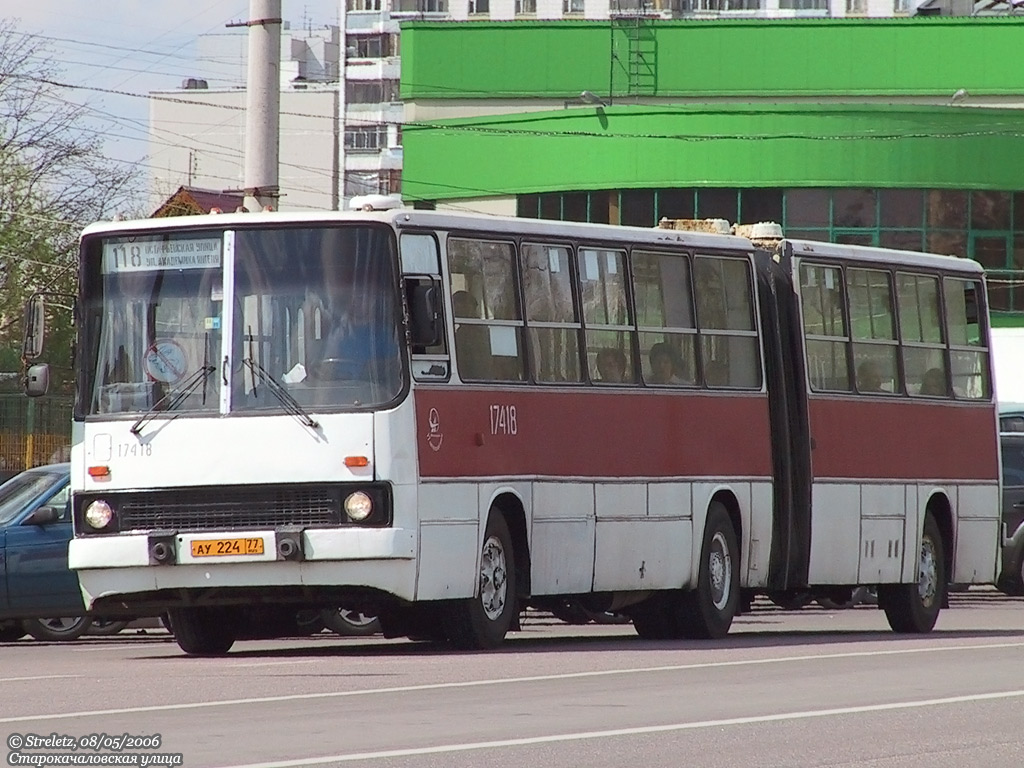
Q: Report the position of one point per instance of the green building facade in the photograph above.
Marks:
(905, 133)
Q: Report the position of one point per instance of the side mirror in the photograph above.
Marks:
(425, 311)
(35, 328)
(43, 516)
(37, 380)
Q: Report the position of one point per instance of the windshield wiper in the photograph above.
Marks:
(291, 405)
(175, 397)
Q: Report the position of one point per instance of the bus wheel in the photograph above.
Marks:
(915, 607)
(707, 611)
(482, 621)
(202, 631)
(655, 617)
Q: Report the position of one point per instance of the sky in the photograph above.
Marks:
(112, 53)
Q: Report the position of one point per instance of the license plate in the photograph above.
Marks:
(226, 547)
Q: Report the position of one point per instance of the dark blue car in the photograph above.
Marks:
(38, 594)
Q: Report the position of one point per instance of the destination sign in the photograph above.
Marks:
(155, 255)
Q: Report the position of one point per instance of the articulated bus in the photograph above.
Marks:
(443, 418)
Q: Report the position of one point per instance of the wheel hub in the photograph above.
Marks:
(493, 578)
(927, 583)
(720, 571)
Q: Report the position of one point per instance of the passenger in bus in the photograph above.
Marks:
(934, 383)
(665, 365)
(869, 377)
(472, 342)
(611, 366)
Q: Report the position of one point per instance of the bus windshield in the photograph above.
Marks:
(317, 311)
(315, 320)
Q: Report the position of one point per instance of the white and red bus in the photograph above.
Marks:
(441, 418)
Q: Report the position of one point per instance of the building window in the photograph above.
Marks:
(729, 5)
(856, 7)
(371, 91)
(674, 6)
(372, 182)
(804, 5)
(364, 5)
(572, 6)
(366, 138)
(369, 46)
(526, 7)
(391, 181)
(479, 6)
(901, 6)
(420, 6)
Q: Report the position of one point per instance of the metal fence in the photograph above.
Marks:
(33, 431)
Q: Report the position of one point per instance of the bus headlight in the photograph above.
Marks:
(358, 506)
(98, 514)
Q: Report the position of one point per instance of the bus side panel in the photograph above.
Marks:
(854, 438)
(622, 462)
(448, 532)
(864, 487)
(562, 541)
(835, 527)
(626, 434)
(649, 556)
(976, 557)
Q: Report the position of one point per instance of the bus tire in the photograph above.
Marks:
(482, 622)
(914, 608)
(707, 612)
(202, 631)
(655, 618)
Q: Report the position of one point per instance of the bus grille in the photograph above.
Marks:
(229, 509)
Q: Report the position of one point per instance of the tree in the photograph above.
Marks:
(54, 179)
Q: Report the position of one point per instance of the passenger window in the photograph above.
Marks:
(488, 324)
(873, 330)
(664, 308)
(924, 348)
(967, 351)
(725, 316)
(821, 300)
(606, 316)
(552, 319)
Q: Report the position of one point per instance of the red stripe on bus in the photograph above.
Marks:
(517, 432)
(903, 439)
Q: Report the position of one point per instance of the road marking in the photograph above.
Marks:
(194, 663)
(37, 677)
(638, 731)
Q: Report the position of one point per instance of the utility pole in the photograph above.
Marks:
(263, 105)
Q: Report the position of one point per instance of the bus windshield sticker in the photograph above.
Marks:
(159, 255)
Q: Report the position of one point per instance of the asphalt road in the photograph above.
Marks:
(786, 688)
